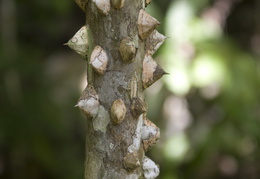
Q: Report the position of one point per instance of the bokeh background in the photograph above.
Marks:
(208, 108)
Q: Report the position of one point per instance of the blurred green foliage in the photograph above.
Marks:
(208, 108)
(212, 102)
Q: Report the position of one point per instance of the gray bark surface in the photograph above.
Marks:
(105, 151)
(117, 130)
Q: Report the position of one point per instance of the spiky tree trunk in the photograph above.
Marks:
(117, 43)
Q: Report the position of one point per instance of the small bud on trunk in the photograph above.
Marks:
(79, 42)
(151, 170)
(154, 41)
(151, 71)
(127, 49)
(118, 4)
(138, 107)
(103, 6)
(150, 134)
(118, 111)
(89, 102)
(131, 161)
(146, 24)
(99, 60)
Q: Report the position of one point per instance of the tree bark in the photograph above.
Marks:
(118, 132)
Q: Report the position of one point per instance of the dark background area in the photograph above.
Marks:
(208, 108)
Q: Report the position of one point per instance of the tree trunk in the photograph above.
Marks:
(118, 42)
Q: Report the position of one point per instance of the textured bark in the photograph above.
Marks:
(114, 145)
(105, 151)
